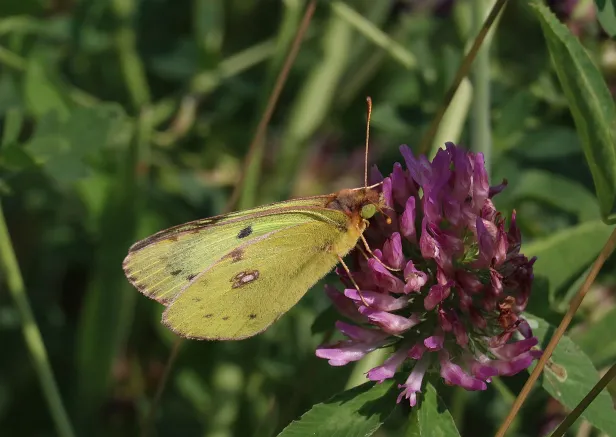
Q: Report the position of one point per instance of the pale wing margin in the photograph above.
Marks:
(236, 299)
(233, 217)
(162, 265)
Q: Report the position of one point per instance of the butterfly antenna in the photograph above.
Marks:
(369, 101)
(350, 275)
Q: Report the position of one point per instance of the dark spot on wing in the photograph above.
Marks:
(225, 318)
(196, 299)
(173, 238)
(176, 272)
(244, 278)
(245, 232)
(191, 276)
(207, 316)
(252, 316)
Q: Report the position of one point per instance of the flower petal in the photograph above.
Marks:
(344, 305)
(384, 279)
(414, 278)
(514, 366)
(436, 295)
(435, 342)
(392, 251)
(413, 383)
(400, 185)
(455, 375)
(407, 221)
(388, 369)
(387, 192)
(344, 352)
(377, 301)
(511, 350)
(390, 323)
(417, 351)
(359, 334)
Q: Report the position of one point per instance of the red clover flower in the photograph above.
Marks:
(459, 282)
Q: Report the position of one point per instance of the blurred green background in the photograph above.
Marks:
(123, 117)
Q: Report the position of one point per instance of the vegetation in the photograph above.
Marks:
(120, 118)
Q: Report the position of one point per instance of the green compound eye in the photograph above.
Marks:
(367, 211)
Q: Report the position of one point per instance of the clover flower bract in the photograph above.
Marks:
(456, 283)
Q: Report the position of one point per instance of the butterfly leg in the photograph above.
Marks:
(375, 257)
(346, 268)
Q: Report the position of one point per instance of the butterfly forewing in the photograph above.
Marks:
(241, 296)
(162, 265)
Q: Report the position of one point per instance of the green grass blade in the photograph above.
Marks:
(374, 34)
(30, 330)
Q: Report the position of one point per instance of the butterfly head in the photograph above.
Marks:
(360, 203)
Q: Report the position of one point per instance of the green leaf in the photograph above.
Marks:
(14, 157)
(558, 191)
(62, 147)
(564, 255)
(357, 412)
(548, 143)
(10, 96)
(13, 123)
(41, 92)
(570, 375)
(598, 340)
(431, 418)
(606, 13)
(591, 105)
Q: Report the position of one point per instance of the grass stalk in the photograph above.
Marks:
(481, 138)
(253, 149)
(396, 50)
(130, 63)
(31, 333)
(462, 72)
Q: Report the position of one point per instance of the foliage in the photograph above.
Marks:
(120, 118)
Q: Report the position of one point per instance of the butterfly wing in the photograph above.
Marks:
(240, 296)
(162, 265)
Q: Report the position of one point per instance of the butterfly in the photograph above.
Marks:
(231, 276)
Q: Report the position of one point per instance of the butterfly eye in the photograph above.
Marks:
(367, 211)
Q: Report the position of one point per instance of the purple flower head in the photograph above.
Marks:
(447, 283)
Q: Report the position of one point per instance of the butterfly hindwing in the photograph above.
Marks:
(251, 287)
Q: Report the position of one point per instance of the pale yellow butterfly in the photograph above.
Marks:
(231, 276)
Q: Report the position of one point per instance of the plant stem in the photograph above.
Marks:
(259, 136)
(481, 139)
(465, 66)
(396, 50)
(130, 63)
(31, 332)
